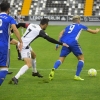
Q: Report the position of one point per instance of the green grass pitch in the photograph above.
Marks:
(63, 87)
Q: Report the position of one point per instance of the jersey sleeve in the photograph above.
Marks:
(84, 27)
(45, 36)
(12, 21)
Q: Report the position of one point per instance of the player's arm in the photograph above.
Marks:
(93, 31)
(43, 34)
(17, 35)
(60, 35)
(13, 41)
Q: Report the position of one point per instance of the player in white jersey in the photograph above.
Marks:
(33, 55)
(70, 36)
(32, 32)
(18, 17)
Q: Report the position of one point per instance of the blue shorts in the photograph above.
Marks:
(4, 55)
(73, 47)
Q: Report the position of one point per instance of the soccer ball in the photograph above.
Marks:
(92, 72)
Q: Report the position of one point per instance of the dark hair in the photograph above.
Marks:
(19, 11)
(4, 6)
(44, 21)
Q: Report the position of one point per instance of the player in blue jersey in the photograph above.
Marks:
(5, 22)
(70, 36)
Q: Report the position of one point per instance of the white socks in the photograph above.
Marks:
(21, 71)
(25, 68)
(34, 65)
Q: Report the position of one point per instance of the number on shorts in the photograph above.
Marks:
(71, 28)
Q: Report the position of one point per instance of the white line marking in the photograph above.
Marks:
(56, 69)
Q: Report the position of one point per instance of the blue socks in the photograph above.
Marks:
(3, 74)
(79, 67)
(57, 64)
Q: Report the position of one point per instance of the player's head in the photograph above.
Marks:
(76, 19)
(18, 12)
(5, 6)
(44, 23)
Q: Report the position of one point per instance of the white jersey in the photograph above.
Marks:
(18, 18)
(34, 31)
(30, 34)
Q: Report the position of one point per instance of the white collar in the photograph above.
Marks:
(3, 13)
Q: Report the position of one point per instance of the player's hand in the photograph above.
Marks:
(97, 30)
(20, 46)
(57, 46)
(66, 45)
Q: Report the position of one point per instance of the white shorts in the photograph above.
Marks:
(26, 53)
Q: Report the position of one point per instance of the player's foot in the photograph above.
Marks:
(14, 81)
(78, 78)
(19, 58)
(10, 72)
(37, 74)
(51, 75)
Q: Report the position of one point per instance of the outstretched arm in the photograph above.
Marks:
(60, 35)
(93, 31)
(42, 34)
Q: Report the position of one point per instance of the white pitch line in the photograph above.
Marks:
(57, 69)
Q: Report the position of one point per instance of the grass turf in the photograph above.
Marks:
(63, 87)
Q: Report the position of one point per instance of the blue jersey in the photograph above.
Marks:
(72, 32)
(5, 22)
(70, 36)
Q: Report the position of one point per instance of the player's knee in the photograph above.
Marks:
(33, 55)
(29, 64)
(80, 57)
(81, 61)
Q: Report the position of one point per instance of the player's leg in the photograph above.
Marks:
(26, 56)
(34, 71)
(15, 42)
(80, 64)
(56, 65)
(18, 26)
(64, 52)
(78, 53)
(21, 25)
(4, 62)
(3, 73)
(79, 67)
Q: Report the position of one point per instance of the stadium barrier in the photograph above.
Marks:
(62, 18)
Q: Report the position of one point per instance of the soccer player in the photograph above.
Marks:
(5, 22)
(18, 17)
(33, 56)
(70, 36)
(32, 32)
(20, 22)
